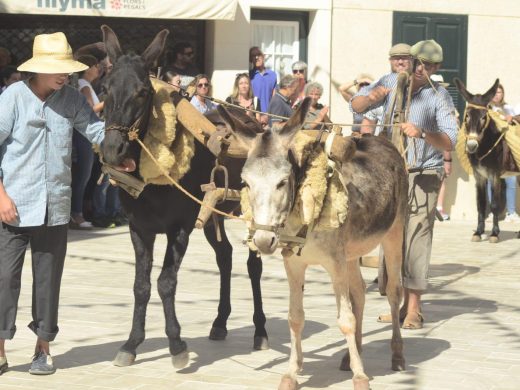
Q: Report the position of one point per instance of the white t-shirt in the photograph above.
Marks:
(82, 83)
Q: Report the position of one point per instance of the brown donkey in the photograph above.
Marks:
(377, 185)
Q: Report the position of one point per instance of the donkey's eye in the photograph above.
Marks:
(281, 184)
(142, 93)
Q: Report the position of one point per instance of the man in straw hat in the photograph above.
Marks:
(36, 121)
(430, 129)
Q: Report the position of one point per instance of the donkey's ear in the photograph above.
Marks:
(491, 92)
(154, 50)
(111, 43)
(295, 123)
(243, 132)
(462, 89)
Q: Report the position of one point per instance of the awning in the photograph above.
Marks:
(157, 9)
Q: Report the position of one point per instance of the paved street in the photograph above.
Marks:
(471, 338)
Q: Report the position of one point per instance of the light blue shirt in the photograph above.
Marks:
(203, 108)
(35, 150)
(430, 110)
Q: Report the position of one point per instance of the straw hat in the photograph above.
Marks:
(52, 54)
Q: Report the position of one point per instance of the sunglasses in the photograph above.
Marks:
(296, 71)
(203, 85)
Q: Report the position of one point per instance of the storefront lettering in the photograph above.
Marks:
(63, 5)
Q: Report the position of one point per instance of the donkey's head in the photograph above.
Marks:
(477, 118)
(128, 98)
(270, 174)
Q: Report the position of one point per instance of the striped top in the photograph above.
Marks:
(430, 110)
(35, 150)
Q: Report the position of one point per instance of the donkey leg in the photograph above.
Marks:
(393, 248)
(357, 298)
(295, 271)
(167, 287)
(143, 248)
(481, 206)
(254, 269)
(347, 323)
(498, 201)
(223, 252)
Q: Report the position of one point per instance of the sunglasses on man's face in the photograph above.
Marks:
(296, 71)
(203, 85)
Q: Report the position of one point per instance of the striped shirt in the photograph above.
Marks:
(35, 150)
(430, 110)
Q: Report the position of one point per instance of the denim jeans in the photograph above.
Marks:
(510, 193)
(81, 170)
(106, 199)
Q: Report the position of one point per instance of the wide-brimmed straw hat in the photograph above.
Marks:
(52, 54)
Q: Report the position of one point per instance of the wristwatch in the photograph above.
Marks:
(423, 134)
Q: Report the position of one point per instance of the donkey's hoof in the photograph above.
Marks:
(217, 333)
(288, 383)
(476, 238)
(398, 364)
(181, 360)
(124, 359)
(493, 239)
(345, 362)
(260, 343)
(361, 382)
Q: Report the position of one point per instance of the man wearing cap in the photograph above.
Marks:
(400, 61)
(430, 129)
(37, 117)
(263, 80)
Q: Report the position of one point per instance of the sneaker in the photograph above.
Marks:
(42, 364)
(3, 365)
(445, 216)
(512, 217)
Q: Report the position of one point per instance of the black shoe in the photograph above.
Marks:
(3, 365)
(103, 222)
(42, 364)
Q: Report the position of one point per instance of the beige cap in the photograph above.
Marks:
(52, 54)
(429, 51)
(400, 49)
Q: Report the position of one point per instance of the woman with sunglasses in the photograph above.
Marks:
(202, 92)
(299, 70)
(242, 95)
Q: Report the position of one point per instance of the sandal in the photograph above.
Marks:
(413, 320)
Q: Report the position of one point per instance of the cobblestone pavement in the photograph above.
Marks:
(471, 338)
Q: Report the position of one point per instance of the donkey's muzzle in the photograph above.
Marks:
(265, 241)
(471, 146)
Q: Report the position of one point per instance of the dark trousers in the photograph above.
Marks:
(48, 249)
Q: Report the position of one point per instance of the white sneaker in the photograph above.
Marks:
(513, 217)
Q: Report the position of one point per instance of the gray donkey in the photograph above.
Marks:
(377, 184)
